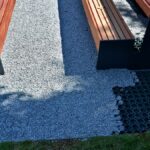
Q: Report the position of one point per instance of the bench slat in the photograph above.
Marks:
(117, 20)
(100, 26)
(2, 9)
(104, 21)
(5, 22)
(92, 23)
(113, 20)
(108, 22)
(144, 6)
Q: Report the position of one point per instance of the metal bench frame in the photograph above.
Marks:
(117, 52)
(123, 54)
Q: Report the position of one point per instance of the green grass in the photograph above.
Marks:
(120, 142)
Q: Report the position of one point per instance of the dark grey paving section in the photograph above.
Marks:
(51, 89)
(134, 104)
(134, 101)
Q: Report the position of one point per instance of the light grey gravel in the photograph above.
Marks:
(51, 89)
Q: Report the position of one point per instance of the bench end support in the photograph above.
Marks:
(122, 54)
(1, 68)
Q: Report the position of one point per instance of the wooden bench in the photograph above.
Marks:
(113, 39)
(145, 6)
(6, 10)
(105, 21)
(5, 16)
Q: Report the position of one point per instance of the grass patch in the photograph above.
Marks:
(116, 142)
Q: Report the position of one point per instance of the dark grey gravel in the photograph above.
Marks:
(51, 89)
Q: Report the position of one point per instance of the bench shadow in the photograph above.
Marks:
(140, 17)
(20, 119)
(79, 52)
(136, 8)
(78, 48)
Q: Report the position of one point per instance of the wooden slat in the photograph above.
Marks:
(3, 4)
(144, 6)
(92, 23)
(106, 23)
(5, 22)
(119, 19)
(113, 19)
(96, 23)
(103, 20)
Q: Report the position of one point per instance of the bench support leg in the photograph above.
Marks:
(146, 40)
(122, 54)
(117, 54)
(1, 68)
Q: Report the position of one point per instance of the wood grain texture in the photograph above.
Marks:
(3, 4)
(117, 20)
(5, 16)
(148, 1)
(105, 21)
(145, 6)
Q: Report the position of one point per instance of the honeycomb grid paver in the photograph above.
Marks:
(134, 104)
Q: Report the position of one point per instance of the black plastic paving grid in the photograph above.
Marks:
(134, 104)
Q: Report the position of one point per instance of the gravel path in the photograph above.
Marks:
(51, 89)
(134, 17)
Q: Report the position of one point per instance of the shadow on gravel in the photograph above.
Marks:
(54, 117)
(140, 17)
(136, 8)
(79, 51)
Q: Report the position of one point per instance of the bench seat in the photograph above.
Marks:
(3, 4)
(6, 10)
(145, 6)
(105, 21)
(5, 16)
